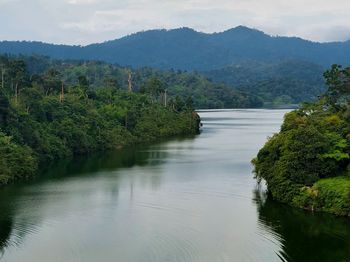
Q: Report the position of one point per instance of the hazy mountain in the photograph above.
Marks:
(187, 49)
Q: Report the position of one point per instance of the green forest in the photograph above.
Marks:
(283, 83)
(203, 92)
(54, 111)
(245, 85)
(307, 163)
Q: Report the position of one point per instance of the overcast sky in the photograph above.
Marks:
(90, 21)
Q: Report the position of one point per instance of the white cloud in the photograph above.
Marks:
(81, 2)
(86, 21)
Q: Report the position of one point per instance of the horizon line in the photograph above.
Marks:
(178, 28)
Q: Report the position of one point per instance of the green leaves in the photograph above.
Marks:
(338, 81)
(337, 147)
(16, 162)
(313, 145)
(39, 126)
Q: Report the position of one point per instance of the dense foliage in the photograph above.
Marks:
(289, 82)
(42, 118)
(187, 49)
(204, 93)
(273, 71)
(307, 163)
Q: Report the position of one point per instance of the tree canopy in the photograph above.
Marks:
(304, 163)
(45, 116)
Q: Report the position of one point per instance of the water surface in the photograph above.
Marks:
(190, 199)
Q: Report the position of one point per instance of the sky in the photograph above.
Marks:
(83, 22)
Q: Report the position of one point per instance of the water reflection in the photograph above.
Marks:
(12, 229)
(25, 207)
(6, 225)
(305, 236)
(125, 158)
(180, 200)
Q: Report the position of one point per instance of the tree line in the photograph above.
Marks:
(307, 164)
(203, 92)
(44, 116)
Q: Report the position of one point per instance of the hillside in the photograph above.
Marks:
(187, 49)
(287, 82)
(178, 84)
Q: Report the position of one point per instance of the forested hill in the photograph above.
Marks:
(287, 82)
(178, 84)
(247, 85)
(187, 49)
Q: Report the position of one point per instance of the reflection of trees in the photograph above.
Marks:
(6, 221)
(5, 232)
(97, 162)
(14, 221)
(110, 161)
(305, 236)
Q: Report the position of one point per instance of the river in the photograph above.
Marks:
(188, 199)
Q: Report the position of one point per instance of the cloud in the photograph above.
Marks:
(86, 21)
(2, 2)
(81, 2)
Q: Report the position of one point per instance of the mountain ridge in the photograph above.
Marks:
(187, 49)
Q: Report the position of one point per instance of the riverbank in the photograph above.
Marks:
(170, 199)
(54, 111)
(54, 129)
(306, 164)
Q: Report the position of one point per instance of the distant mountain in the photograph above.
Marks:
(286, 82)
(187, 49)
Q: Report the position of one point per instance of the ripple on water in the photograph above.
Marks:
(187, 200)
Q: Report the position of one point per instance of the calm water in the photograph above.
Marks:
(193, 199)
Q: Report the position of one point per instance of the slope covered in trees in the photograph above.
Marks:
(187, 85)
(307, 164)
(187, 49)
(42, 118)
(288, 82)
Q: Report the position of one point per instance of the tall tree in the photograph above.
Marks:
(338, 81)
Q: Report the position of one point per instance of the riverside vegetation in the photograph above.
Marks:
(43, 119)
(307, 164)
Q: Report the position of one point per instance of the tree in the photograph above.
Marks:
(4, 108)
(338, 81)
(189, 103)
(83, 85)
(154, 87)
(19, 76)
(111, 82)
(178, 104)
(83, 82)
(51, 81)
